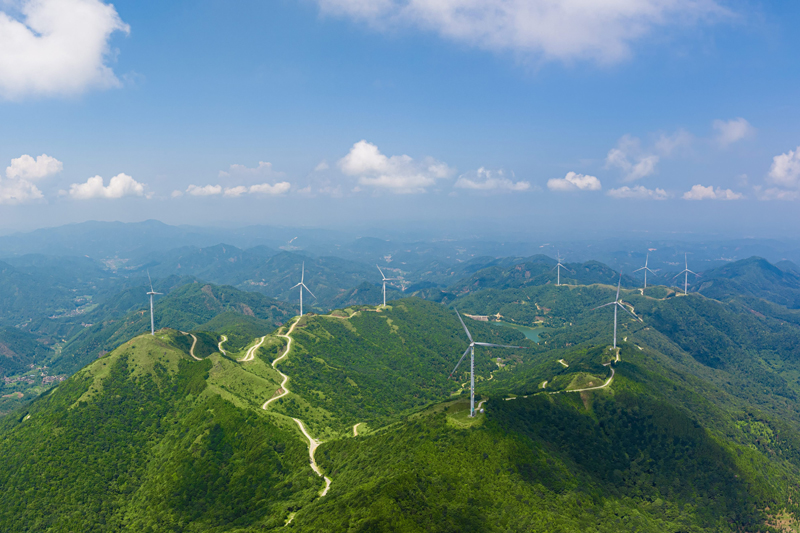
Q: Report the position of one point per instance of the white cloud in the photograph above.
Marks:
(774, 193)
(602, 30)
(323, 165)
(119, 186)
(265, 188)
(56, 47)
(631, 159)
(666, 144)
(263, 169)
(399, 173)
(490, 180)
(207, 190)
(18, 187)
(698, 192)
(234, 192)
(574, 182)
(177, 194)
(730, 131)
(16, 191)
(27, 168)
(785, 171)
(639, 192)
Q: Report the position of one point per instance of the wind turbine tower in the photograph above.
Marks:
(646, 270)
(558, 268)
(471, 350)
(685, 273)
(385, 279)
(617, 304)
(151, 294)
(303, 286)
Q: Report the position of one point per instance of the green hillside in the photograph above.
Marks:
(692, 428)
(750, 277)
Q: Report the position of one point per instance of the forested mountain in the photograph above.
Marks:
(538, 270)
(750, 277)
(665, 439)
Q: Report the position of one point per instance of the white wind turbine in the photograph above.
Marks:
(471, 348)
(646, 270)
(558, 268)
(151, 294)
(617, 304)
(385, 279)
(303, 286)
(685, 273)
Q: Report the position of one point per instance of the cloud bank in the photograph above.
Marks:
(574, 182)
(18, 187)
(119, 186)
(490, 180)
(639, 192)
(698, 192)
(601, 30)
(398, 174)
(57, 47)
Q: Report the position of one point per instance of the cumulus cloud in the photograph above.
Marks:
(785, 171)
(574, 182)
(239, 190)
(667, 144)
(774, 193)
(273, 190)
(399, 173)
(263, 169)
(730, 131)
(629, 157)
(56, 47)
(27, 168)
(18, 187)
(698, 192)
(639, 192)
(490, 180)
(206, 190)
(323, 165)
(602, 30)
(119, 186)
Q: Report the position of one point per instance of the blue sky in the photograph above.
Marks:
(646, 115)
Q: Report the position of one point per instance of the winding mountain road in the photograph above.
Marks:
(221, 349)
(251, 353)
(312, 443)
(194, 343)
(312, 448)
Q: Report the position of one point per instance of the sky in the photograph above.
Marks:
(570, 117)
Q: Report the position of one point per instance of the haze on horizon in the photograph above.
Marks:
(652, 117)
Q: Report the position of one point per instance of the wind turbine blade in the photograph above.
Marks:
(629, 312)
(678, 274)
(309, 290)
(619, 285)
(692, 272)
(150, 280)
(465, 326)
(459, 362)
(490, 345)
(643, 268)
(303, 273)
(650, 271)
(604, 305)
(295, 286)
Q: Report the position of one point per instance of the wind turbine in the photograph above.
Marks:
(471, 348)
(646, 270)
(151, 294)
(616, 303)
(385, 279)
(558, 268)
(303, 286)
(685, 273)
